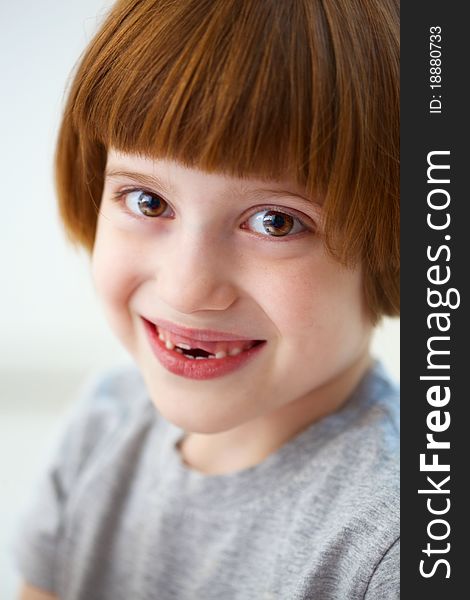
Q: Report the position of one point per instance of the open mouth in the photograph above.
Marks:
(203, 349)
(199, 354)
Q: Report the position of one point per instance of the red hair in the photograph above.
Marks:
(250, 88)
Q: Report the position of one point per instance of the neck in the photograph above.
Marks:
(250, 443)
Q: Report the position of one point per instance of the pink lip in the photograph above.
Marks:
(201, 335)
(202, 369)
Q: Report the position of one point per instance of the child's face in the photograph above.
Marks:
(243, 257)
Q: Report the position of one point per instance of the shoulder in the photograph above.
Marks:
(370, 427)
(385, 580)
(113, 397)
(368, 451)
(118, 390)
(110, 409)
(109, 406)
(353, 492)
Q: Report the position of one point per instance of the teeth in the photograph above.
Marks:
(184, 346)
(181, 348)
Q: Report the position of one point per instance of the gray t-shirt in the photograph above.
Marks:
(119, 516)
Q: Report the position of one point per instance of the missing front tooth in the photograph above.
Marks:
(197, 352)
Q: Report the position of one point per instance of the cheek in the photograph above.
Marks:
(313, 298)
(114, 271)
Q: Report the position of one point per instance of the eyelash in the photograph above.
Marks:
(120, 197)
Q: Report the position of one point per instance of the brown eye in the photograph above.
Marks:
(277, 223)
(144, 203)
(151, 206)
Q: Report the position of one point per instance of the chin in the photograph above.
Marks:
(192, 412)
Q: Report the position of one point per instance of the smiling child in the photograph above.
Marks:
(232, 167)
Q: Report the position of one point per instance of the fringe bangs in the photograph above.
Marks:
(224, 86)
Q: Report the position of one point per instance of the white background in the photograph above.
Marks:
(52, 332)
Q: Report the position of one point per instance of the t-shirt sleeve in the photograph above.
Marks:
(385, 581)
(36, 542)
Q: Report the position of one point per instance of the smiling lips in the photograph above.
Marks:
(192, 348)
(198, 354)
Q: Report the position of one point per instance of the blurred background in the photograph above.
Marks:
(52, 332)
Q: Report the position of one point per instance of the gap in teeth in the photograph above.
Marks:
(195, 353)
(185, 349)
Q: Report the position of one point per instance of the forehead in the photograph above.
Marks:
(173, 176)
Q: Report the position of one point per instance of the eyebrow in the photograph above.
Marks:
(153, 181)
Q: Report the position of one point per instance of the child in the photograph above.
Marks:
(232, 166)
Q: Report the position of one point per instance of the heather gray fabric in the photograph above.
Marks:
(120, 517)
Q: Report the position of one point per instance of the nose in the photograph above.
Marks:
(196, 275)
